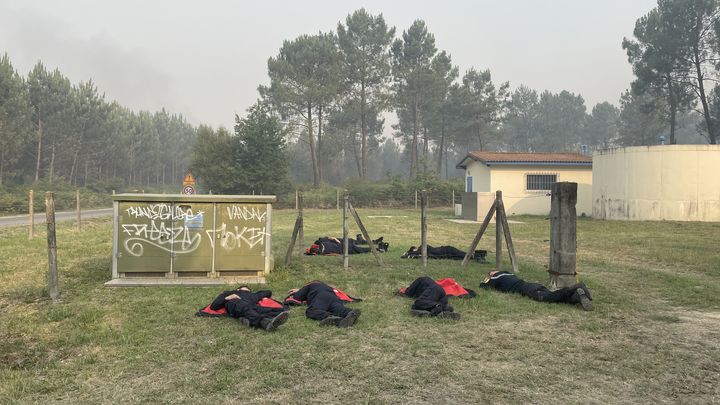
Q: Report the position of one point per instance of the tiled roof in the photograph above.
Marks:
(520, 158)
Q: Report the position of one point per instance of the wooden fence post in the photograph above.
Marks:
(52, 245)
(416, 198)
(365, 234)
(563, 235)
(337, 200)
(77, 210)
(498, 231)
(301, 231)
(452, 204)
(471, 250)
(423, 228)
(31, 217)
(345, 231)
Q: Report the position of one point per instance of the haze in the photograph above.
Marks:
(206, 59)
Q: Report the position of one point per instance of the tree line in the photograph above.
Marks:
(331, 90)
(52, 129)
(675, 56)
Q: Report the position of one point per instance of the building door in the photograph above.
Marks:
(468, 184)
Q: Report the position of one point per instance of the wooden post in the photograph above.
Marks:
(498, 231)
(78, 226)
(423, 228)
(366, 234)
(293, 237)
(452, 204)
(345, 231)
(31, 217)
(52, 245)
(416, 199)
(301, 230)
(337, 200)
(563, 235)
(296, 199)
(508, 239)
(471, 250)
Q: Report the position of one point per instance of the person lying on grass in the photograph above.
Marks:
(504, 281)
(430, 299)
(334, 246)
(443, 252)
(243, 304)
(324, 305)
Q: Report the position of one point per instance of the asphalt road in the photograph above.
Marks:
(16, 220)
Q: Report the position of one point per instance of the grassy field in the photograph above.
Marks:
(654, 335)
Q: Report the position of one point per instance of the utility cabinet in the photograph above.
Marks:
(191, 239)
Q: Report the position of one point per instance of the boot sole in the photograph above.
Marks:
(585, 302)
(349, 320)
(277, 321)
(420, 313)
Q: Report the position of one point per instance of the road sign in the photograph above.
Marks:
(188, 184)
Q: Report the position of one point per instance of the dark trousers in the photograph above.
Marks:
(446, 252)
(538, 292)
(326, 304)
(253, 313)
(429, 295)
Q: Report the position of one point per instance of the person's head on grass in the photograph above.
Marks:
(243, 288)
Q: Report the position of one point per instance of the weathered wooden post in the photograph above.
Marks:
(452, 204)
(296, 199)
(498, 231)
(301, 219)
(416, 199)
(31, 217)
(337, 200)
(345, 231)
(77, 210)
(423, 228)
(52, 245)
(563, 235)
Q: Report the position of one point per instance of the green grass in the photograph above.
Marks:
(653, 337)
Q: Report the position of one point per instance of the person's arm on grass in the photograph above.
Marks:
(219, 302)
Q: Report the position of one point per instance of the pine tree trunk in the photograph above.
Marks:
(441, 148)
(311, 143)
(703, 98)
(2, 165)
(364, 133)
(673, 109)
(39, 151)
(86, 174)
(52, 162)
(414, 143)
(319, 143)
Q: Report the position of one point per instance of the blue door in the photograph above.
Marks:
(468, 185)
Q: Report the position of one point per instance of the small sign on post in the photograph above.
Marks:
(188, 184)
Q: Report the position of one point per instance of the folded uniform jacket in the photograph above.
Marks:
(290, 300)
(210, 313)
(452, 288)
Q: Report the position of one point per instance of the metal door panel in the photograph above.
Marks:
(239, 236)
(192, 249)
(144, 237)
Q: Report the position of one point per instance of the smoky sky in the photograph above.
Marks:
(205, 60)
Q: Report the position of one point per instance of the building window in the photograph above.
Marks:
(468, 184)
(540, 182)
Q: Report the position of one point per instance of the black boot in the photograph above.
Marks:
(331, 321)
(349, 319)
(271, 324)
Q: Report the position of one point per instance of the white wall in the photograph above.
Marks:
(661, 182)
